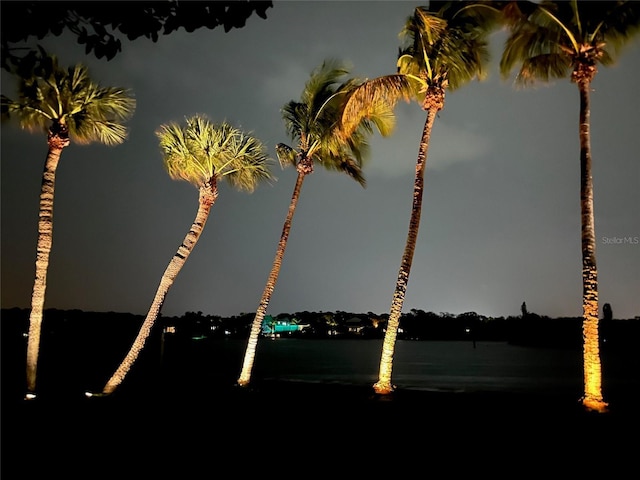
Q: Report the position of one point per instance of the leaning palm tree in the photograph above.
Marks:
(555, 40)
(68, 106)
(446, 47)
(314, 122)
(201, 153)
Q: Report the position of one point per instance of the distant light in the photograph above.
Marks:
(88, 394)
(30, 396)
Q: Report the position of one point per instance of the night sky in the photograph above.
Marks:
(501, 213)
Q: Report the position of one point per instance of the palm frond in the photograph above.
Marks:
(616, 26)
(250, 163)
(348, 166)
(104, 132)
(287, 156)
(341, 162)
(321, 84)
(200, 150)
(374, 100)
(178, 160)
(543, 67)
(296, 116)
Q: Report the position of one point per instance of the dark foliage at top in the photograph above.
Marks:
(97, 24)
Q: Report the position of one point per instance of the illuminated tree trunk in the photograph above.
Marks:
(256, 326)
(208, 195)
(383, 385)
(592, 399)
(58, 139)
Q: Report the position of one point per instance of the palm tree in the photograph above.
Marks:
(314, 122)
(201, 153)
(67, 105)
(446, 47)
(555, 40)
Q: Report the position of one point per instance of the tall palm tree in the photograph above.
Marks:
(201, 153)
(445, 48)
(555, 40)
(314, 122)
(67, 105)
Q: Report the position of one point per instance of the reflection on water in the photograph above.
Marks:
(423, 365)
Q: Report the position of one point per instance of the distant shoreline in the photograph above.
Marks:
(529, 329)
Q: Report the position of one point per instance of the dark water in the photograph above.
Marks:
(456, 366)
(421, 365)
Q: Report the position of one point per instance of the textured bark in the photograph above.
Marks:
(383, 385)
(45, 239)
(252, 344)
(592, 399)
(208, 194)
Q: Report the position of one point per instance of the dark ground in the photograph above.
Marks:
(307, 430)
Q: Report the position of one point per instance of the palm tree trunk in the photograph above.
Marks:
(45, 238)
(208, 195)
(384, 385)
(592, 399)
(256, 326)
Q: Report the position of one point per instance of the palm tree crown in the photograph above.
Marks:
(447, 44)
(444, 47)
(314, 122)
(54, 99)
(202, 149)
(554, 39)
